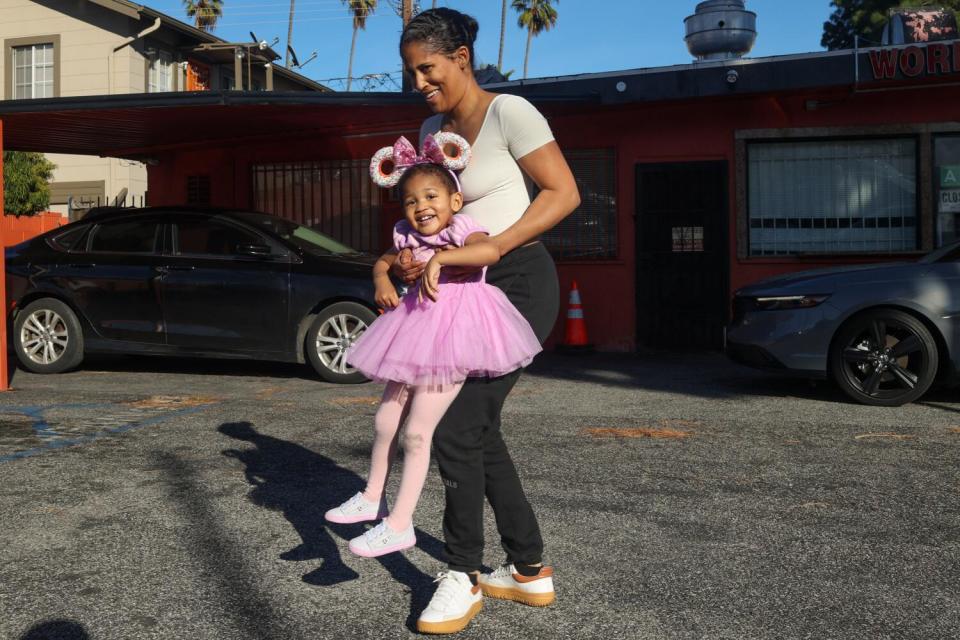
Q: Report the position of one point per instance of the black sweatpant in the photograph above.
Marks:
(470, 452)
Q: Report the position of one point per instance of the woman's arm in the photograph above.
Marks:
(558, 197)
(386, 294)
(477, 251)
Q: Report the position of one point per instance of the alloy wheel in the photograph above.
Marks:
(335, 336)
(885, 360)
(44, 336)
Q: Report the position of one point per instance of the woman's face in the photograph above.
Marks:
(428, 204)
(438, 77)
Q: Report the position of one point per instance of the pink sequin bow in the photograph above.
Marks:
(405, 154)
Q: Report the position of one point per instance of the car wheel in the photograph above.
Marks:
(47, 337)
(331, 334)
(884, 357)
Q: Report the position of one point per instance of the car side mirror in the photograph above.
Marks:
(254, 250)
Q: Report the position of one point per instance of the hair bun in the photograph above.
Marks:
(470, 27)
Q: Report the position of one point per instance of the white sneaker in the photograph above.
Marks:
(357, 509)
(382, 540)
(505, 583)
(453, 605)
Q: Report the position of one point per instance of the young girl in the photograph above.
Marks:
(426, 344)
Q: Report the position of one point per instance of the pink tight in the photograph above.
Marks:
(422, 407)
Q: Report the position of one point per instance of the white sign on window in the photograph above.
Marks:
(950, 201)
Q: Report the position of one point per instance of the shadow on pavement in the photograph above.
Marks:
(303, 485)
(705, 374)
(56, 630)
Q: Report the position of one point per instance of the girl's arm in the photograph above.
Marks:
(386, 293)
(477, 251)
(558, 197)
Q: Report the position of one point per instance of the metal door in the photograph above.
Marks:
(682, 255)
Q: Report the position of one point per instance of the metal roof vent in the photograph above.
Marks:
(720, 29)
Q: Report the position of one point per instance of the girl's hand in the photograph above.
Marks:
(386, 296)
(430, 283)
(406, 268)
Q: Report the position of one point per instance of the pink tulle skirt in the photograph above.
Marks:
(472, 330)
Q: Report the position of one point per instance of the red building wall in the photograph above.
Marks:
(693, 130)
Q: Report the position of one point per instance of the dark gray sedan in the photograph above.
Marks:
(885, 333)
(188, 282)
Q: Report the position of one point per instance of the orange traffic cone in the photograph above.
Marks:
(575, 338)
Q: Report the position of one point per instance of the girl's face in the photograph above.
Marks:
(440, 78)
(428, 204)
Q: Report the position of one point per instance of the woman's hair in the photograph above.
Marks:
(442, 30)
(427, 169)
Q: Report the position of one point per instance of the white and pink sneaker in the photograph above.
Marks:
(382, 540)
(357, 509)
(506, 584)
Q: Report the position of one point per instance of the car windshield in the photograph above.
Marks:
(303, 237)
(946, 253)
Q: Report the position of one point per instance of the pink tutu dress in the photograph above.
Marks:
(471, 330)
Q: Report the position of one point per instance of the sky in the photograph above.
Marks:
(590, 35)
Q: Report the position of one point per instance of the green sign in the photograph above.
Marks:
(950, 176)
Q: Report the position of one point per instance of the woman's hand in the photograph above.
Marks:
(430, 283)
(406, 268)
(386, 294)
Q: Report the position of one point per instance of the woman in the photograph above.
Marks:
(508, 135)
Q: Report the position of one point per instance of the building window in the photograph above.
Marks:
(832, 196)
(336, 198)
(946, 175)
(198, 190)
(160, 73)
(33, 72)
(590, 232)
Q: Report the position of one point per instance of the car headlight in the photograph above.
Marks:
(780, 303)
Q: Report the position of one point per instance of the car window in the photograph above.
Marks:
(67, 239)
(125, 236)
(211, 238)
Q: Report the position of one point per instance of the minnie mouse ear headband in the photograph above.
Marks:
(446, 149)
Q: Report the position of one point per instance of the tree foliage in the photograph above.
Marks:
(360, 10)
(536, 16)
(26, 177)
(205, 13)
(867, 18)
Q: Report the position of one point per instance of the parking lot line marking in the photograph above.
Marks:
(892, 436)
(42, 429)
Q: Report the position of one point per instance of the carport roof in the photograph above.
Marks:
(138, 125)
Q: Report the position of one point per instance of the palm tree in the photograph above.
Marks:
(503, 30)
(361, 10)
(205, 13)
(536, 16)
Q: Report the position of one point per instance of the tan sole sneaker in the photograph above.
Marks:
(506, 584)
(531, 599)
(450, 626)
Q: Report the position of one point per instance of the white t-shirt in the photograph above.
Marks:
(494, 192)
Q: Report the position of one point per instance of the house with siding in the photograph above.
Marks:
(66, 48)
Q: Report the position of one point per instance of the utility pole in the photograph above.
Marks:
(286, 60)
(407, 15)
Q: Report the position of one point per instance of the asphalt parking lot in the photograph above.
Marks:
(679, 496)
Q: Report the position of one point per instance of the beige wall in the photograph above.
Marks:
(88, 66)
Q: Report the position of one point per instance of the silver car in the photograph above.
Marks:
(885, 333)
